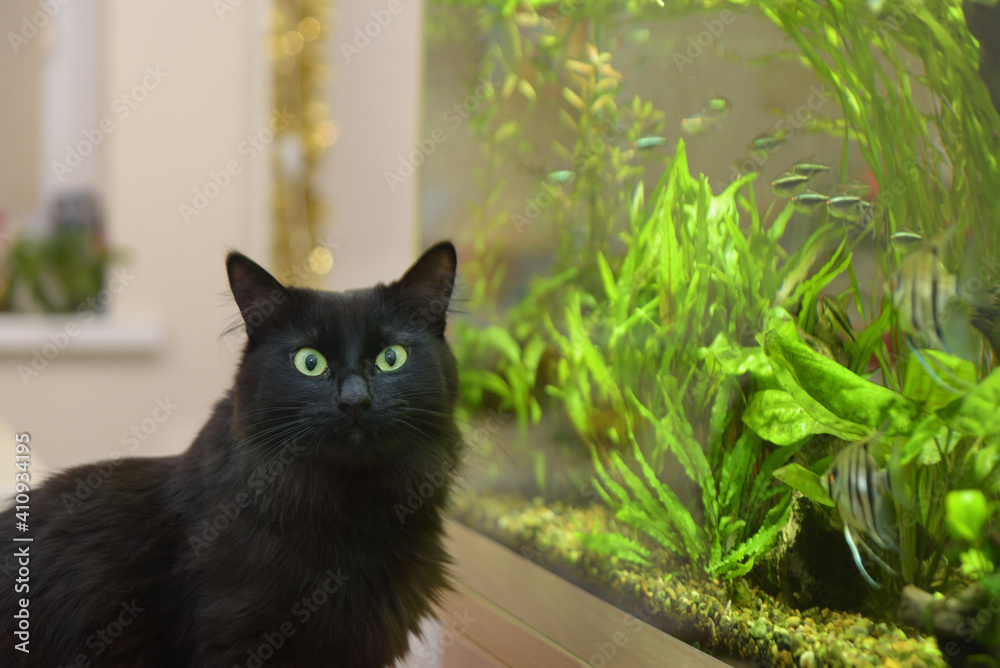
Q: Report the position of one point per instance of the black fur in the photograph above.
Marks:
(302, 527)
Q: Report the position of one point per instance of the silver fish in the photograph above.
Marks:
(808, 201)
(718, 105)
(809, 168)
(699, 124)
(849, 207)
(863, 496)
(767, 142)
(788, 184)
(650, 142)
(905, 237)
(929, 302)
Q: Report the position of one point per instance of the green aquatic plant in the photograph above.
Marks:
(939, 444)
(670, 319)
(708, 371)
(907, 81)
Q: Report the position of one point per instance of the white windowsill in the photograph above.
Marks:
(72, 334)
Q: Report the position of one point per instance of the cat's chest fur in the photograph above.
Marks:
(336, 555)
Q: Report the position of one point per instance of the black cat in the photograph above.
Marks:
(286, 534)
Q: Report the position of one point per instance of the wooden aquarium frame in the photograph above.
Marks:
(508, 611)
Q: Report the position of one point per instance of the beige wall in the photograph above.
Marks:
(212, 93)
(191, 120)
(375, 103)
(19, 113)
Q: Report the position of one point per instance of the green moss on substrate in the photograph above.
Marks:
(727, 621)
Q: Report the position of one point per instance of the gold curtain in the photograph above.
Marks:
(303, 131)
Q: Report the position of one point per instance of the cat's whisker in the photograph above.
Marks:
(262, 440)
(271, 448)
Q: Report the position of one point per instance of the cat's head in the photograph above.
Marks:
(353, 377)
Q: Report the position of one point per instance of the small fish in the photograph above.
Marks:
(845, 206)
(863, 496)
(788, 184)
(769, 141)
(809, 168)
(808, 201)
(832, 312)
(650, 142)
(699, 124)
(905, 237)
(855, 187)
(562, 176)
(717, 105)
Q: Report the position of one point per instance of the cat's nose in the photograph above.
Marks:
(354, 397)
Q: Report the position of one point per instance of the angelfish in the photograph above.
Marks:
(930, 304)
(863, 496)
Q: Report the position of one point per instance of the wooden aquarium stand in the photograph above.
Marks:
(508, 611)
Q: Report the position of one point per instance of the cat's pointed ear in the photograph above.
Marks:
(428, 285)
(257, 293)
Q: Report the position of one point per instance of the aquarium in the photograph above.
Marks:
(729, 312)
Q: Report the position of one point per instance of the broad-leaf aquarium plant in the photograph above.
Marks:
(756, 384)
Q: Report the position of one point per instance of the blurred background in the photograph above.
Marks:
(141, 143)
(332, 142)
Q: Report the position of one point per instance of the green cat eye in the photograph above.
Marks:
(391, 358)
(310, 361)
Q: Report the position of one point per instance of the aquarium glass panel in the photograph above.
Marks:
(728, 312)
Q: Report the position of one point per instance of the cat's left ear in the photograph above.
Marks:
(258, 294)
(428, 285)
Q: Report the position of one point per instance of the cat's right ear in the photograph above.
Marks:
(257, 293)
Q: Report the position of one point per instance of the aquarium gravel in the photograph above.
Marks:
(736, 623)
